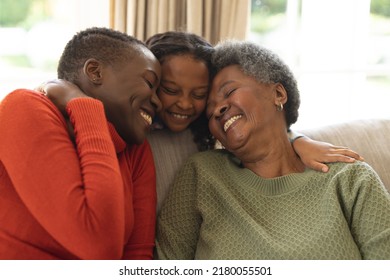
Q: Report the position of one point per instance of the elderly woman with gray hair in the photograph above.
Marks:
(255, 199)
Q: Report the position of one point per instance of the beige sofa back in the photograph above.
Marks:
(370, 138)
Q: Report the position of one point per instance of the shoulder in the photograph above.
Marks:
(213, 157)
(28, 107)
(216, 154)
(203, 166)
(358, 169)
(175, 146)
(356, 177)
(26, 100)
(165, 138)
(23, 96)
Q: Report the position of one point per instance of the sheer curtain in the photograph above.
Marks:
(213, 19)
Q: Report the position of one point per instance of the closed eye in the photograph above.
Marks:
(168, 90)
(200, 96)
(229, 92)
(149, 83)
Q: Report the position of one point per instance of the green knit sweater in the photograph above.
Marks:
(220, 210)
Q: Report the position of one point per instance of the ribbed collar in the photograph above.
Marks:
(119, 143)
(273, 186)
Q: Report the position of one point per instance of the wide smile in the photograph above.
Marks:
(230, 121)
(180, 116)
(147, 117)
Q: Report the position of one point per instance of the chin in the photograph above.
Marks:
(234, 146)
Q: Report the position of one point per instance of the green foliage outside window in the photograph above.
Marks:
(267, 15)
(23, 13)
(380, 7)
(12, 12)
(272, 6)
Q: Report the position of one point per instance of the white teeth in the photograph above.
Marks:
(147, 117)
(230, 121)
(180, 116)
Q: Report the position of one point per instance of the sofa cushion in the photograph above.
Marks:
(370, 138)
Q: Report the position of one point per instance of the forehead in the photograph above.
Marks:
(185, 70)
(144, 51)
(143, 55)
(142, 59)
(178, 62)
(225, 76)
(228, 72)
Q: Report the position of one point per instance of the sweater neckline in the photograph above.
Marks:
(119, 143)
(273, 186)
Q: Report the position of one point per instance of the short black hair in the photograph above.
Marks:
(104, 44)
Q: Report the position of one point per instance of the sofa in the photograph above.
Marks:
(370, 138)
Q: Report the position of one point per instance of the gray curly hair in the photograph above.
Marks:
(261, 64)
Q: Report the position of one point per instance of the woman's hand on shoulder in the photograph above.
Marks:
(315, 154)
(60, 92)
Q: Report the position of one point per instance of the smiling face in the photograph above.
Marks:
(128, 93)
(183, 91)
(241, 110)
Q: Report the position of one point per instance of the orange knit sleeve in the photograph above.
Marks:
(141, 243)
(75, 191)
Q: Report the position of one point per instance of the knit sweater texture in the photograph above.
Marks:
(219, 210)
(173, 148)
(93, 198)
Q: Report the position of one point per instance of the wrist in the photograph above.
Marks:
(293, 136)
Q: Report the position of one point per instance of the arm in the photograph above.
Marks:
(60, 92)
(179, 223)
(314, 154)
(142, 173)
(369, 213)
(141, 242)
(76, 194)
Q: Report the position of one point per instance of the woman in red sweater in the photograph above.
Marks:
(77, 179)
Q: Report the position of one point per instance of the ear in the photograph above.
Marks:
(280, 94)
(93, 70)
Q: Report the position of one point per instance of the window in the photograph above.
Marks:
(33, 34)
(338, 50)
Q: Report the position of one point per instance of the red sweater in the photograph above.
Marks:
(94, 199)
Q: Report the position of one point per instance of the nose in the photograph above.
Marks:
(156, 103)
(185, 102)
(221, 109)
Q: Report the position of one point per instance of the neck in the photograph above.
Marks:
(274, 160)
